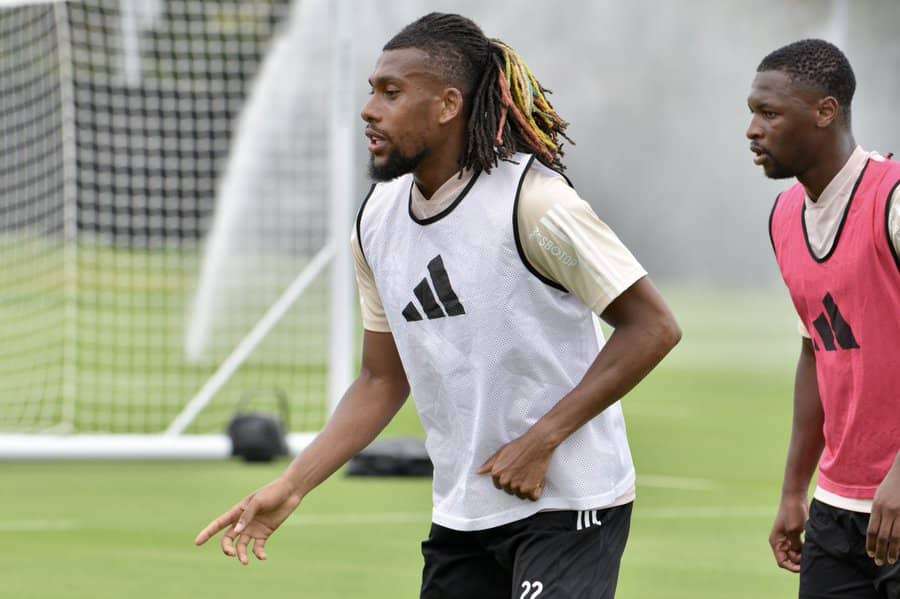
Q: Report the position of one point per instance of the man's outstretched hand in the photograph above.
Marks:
(253, 519)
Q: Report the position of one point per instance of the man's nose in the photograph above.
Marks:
(754, 131)
(368, 114)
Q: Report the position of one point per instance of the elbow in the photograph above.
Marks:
(668, 333)
(675, 332)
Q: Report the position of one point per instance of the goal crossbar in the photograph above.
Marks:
(20, 447)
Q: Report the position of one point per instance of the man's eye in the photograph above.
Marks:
(769, 114)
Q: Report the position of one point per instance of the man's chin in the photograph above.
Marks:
(381, 171)
(777, 172)
(392, 166)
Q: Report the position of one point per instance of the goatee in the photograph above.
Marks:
(397, 165)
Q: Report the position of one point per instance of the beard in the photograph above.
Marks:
(396, 165)
(777, 170)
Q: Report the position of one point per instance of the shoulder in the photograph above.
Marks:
(357, 237)
(785, 203)
(786, 210)
(893, 177)
(383, 194)
(377, 204)
(543, 190)
(893, 181)
(892, 216)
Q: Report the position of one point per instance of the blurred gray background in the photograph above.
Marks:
(655, 91)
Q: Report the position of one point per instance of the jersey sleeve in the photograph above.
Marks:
(370, 305)
(566, 242)
(894, 221)
(801, 328)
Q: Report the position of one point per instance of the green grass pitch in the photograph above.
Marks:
(708, 431)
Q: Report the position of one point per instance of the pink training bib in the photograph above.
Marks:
(850, 303)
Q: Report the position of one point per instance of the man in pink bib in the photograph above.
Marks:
(836, 236)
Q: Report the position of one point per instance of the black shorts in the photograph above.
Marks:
(834, 563)
(550, 555)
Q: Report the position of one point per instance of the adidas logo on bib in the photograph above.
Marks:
(449, 303)
(834, 327)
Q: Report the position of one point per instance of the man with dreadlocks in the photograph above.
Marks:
(836, 236)
(482, 274)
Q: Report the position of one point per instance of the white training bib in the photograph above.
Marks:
(489, 347)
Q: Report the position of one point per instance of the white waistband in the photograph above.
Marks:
(845, 503)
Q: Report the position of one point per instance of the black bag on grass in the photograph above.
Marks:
(392, 457)
(257, 436)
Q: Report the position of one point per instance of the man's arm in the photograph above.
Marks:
(367, 407)
(807, 441)
(883, 535)
(365, 410)
(645, 331)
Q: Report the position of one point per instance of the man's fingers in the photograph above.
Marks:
(486, 467)
(791, 565)
(780, 556)
(893, 552)
(259, 549)
(794, 543)
(787, 561)
(218, 524)
(872, 531)
(779, 550)
(884, 539)
(247, 516)
(504, 482)
(793, 549)
(227, 543)
(242, 549)
(792, 552)
(786, 552)
(782, 560)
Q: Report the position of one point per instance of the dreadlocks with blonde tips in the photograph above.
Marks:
(509, 110)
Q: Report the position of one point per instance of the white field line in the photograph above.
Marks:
(424, 518)
(705, 513)
(37, 525)
(354, 519)
(659, 481)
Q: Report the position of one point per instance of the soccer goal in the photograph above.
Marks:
(176, 196)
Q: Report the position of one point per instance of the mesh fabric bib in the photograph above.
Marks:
(488, 348)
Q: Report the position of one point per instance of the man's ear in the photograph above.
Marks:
(451, 105)
(827, 111)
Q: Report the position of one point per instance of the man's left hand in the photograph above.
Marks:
(519, 467)
(883, 536)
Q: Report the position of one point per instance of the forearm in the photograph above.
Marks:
(631, 352)
(365, 410)
(807, 437)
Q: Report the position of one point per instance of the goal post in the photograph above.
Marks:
(175, 210)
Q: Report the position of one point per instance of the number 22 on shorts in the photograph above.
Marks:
(535, 588)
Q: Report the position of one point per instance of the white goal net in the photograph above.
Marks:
(165, 176)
